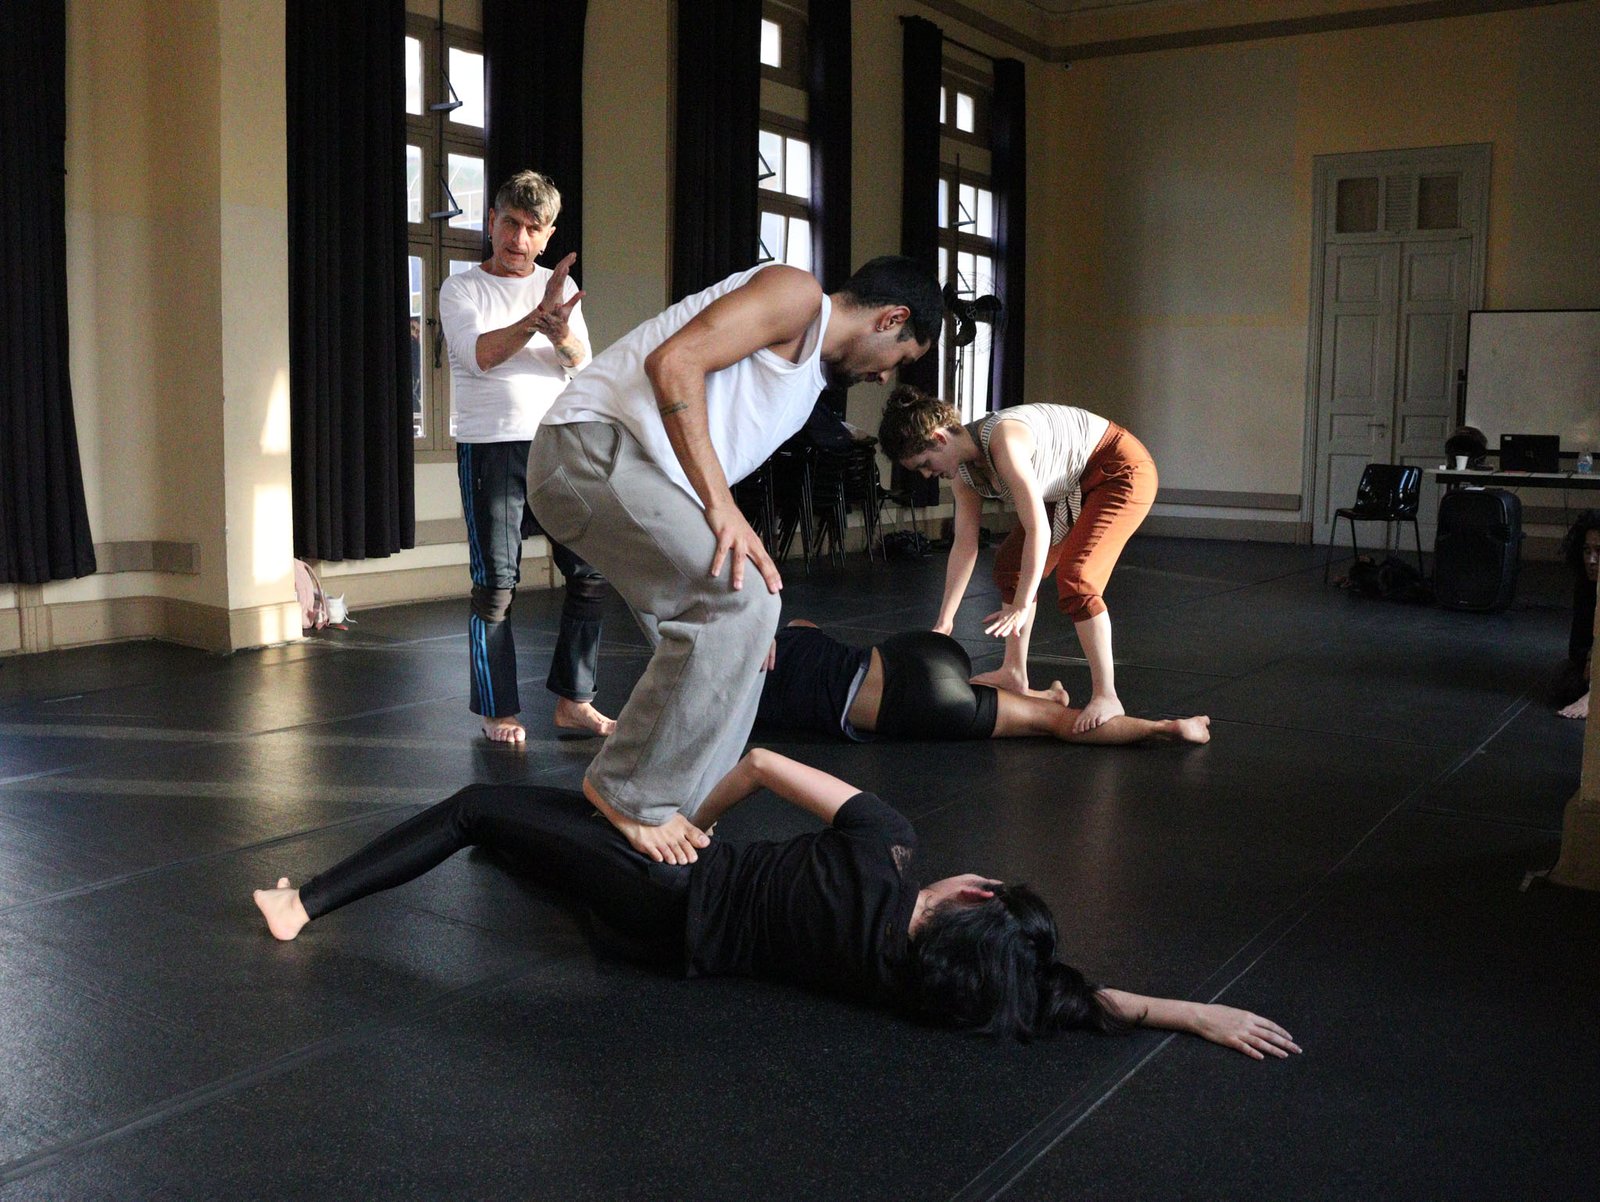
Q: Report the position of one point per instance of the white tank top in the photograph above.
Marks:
(752, 406)
(1063, 440)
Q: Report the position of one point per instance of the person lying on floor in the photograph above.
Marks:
(917, 685)
(839, 909)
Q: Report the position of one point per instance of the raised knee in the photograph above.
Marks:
(491, 604)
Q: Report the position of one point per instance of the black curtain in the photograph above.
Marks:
(829, 88)
(533, 85)
(719, 98)
(1009, 175)
(44, 524)
(923, 45)
(349, 342)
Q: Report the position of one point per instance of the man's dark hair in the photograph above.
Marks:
(897, 280)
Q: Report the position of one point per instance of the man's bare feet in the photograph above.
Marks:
(282, 909)
(582, 716)
(1578, 709)
(673, 842)
(504, 730)
(1096, 712)
(1193, 730)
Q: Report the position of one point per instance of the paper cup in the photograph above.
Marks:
(1460, 463)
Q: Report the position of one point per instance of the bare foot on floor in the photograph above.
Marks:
(1578, 709)
(282, 909)
(673, 842)
(1193, 730)
(504, 730)
(582, 716)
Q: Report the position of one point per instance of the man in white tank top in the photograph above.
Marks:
(633, 469)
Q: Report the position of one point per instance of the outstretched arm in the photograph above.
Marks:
(1011, 448)
(963, 553)
(1240, 1030)
(772, 310)
(814, 791)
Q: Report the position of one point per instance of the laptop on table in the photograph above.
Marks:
(1530, 452)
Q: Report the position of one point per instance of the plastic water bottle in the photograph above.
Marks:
(1585, 461)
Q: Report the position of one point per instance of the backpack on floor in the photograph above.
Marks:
(1392, 580)
(317, 609)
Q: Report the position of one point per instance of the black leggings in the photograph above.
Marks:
(554, 835)
(927, 693)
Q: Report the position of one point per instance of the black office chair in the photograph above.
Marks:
(1388, 492)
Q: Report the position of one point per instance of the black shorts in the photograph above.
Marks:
(927, 693)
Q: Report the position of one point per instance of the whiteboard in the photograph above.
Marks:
(1535, 371)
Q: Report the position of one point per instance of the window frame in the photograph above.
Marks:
(792, 23)
(792, 19)
(434, 240)
(955, 241)
(953, 79)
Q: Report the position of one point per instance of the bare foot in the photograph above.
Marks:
(1012, 682)
(1057, 692)
(1578, 709)
(1193, 730)
(582, 716)
(1096, 712)
(282, 909)
(673, 842)
(504, 730)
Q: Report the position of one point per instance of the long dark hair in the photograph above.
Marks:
(1572, 545)
(990, 967)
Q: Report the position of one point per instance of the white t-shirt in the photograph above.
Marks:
(505, 403)
(752, 406)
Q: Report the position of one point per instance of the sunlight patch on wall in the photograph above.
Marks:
(275, 431)
(272, 544)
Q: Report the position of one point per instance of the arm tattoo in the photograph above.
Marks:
(672, 407)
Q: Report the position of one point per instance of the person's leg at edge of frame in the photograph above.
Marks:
(494, 542)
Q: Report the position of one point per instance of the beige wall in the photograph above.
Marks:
(178, 317)
(1169, 248)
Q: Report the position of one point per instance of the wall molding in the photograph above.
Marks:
(147, 555)
(1067, 53)
(1219, 499)
(36, 626)
(1248, 530)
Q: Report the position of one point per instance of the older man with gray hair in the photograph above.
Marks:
(516, 336)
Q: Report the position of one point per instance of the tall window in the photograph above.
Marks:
(447, 199)
(784, 161)
(966, 232)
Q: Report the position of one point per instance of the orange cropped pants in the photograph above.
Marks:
(1119, 486)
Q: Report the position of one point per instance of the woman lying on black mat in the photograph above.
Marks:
(916, 686)
(839, 909)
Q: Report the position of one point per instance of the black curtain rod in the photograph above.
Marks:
(969, 49)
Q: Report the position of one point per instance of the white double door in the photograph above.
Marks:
(1393, 337)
